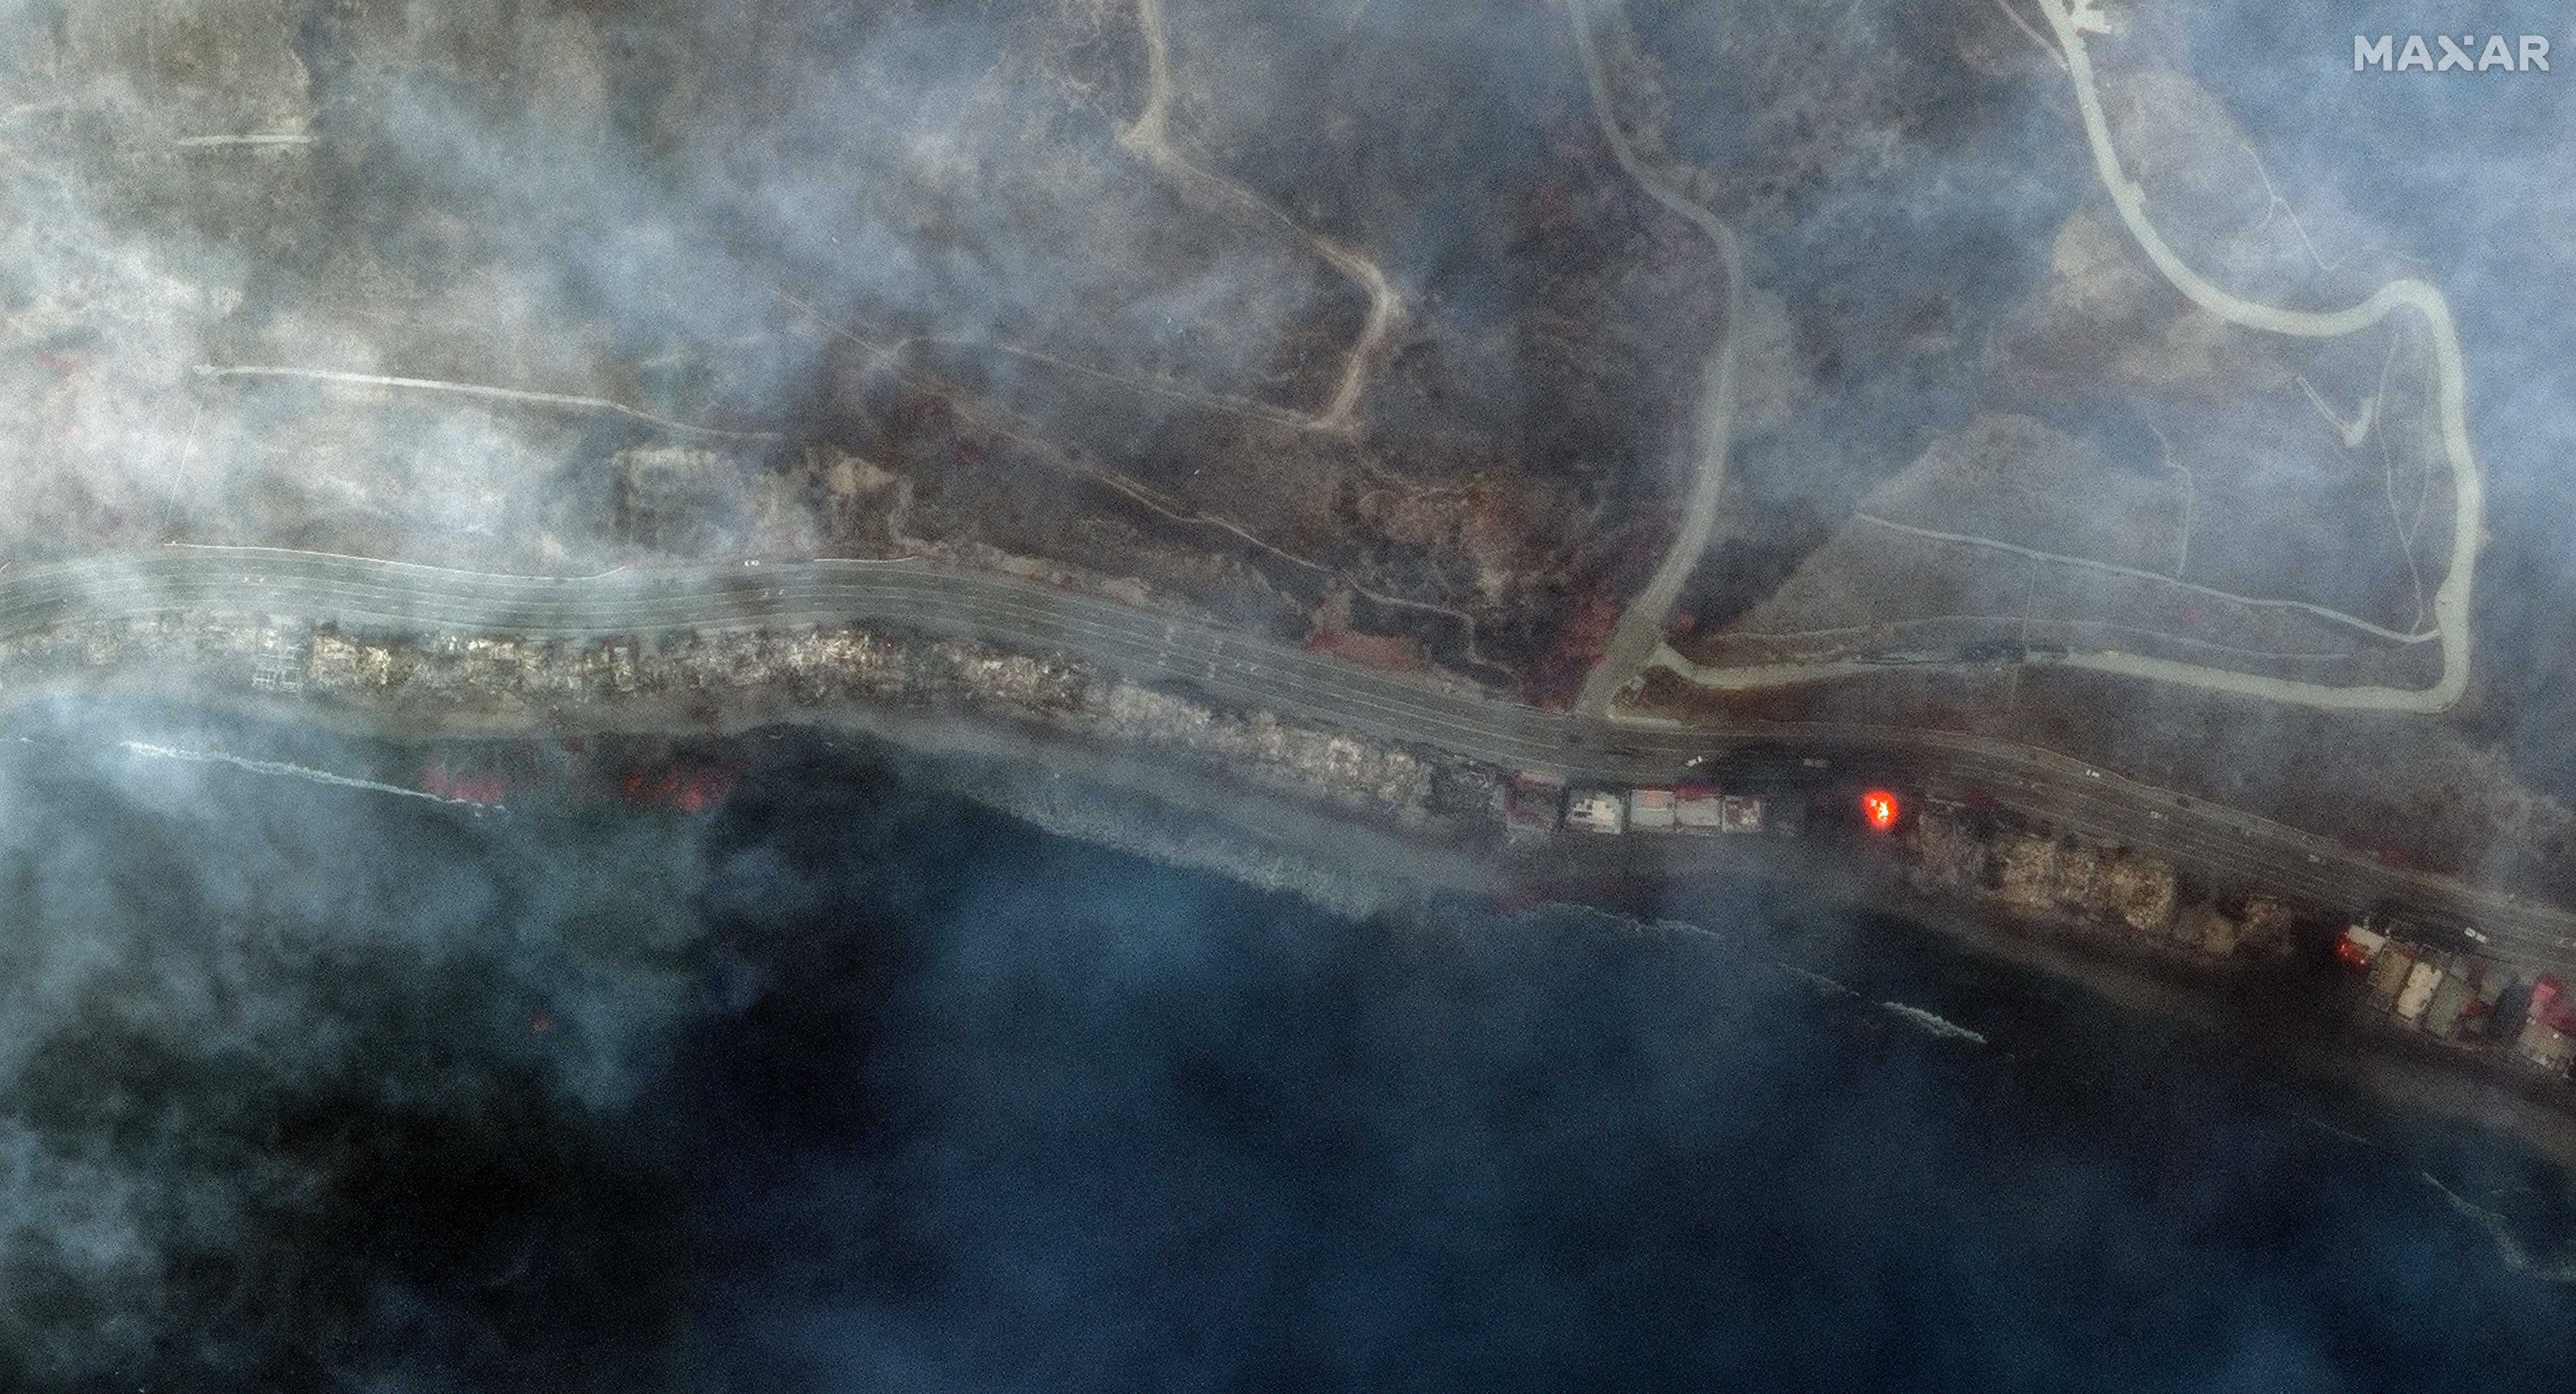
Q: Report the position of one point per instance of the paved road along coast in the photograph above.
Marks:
(1242, 670)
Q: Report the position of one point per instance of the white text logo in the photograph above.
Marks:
(2530, 54)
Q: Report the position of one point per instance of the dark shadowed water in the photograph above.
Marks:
(849, 1086)
(1019, 1114)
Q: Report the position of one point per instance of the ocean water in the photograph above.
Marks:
(844, 1084)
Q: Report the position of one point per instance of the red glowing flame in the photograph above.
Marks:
(1878, 809)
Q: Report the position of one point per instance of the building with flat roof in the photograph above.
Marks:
(1595, 811)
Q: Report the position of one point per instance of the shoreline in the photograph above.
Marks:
(1189, 814)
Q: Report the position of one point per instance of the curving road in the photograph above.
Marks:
(2069, 21)
(1637, 643)
(1638, 638)
(1244, 671)
(1150, 137)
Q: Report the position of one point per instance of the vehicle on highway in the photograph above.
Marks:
(2413, 924)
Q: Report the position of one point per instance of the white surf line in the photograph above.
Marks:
(2508, 1244)
(1818, 979)
(1640, 631)
(2332, 1131)
(2070, 21)
(1932, 1023)
(2137, 573)
(1929, 1022)
(277, 767)
(470, 389)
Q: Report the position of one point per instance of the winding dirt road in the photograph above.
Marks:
(1149, 137)
(1640, 633)
(1638, 642)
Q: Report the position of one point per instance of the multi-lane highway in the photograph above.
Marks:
(1243, 670)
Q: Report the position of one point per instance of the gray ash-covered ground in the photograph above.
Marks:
(1898, 197)
(928, 237)
(2466, 184)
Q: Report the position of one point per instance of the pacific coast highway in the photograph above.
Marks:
(1243, 671)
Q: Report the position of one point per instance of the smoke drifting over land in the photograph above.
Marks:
(1337, 324)
(1371, 343)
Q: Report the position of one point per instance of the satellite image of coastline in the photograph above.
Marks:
(1055, 695)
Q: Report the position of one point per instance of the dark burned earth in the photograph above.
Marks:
(1352, 325)
(1344, 325)
(1313, 357)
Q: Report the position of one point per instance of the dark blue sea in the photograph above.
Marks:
(845, 1084)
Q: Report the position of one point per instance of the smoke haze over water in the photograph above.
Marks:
(868, 1089)
(1104, 1126)
(306, 1084)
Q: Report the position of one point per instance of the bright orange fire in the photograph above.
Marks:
(1878, 809)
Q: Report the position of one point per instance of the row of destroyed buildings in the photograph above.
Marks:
(2426, 977)
(1536, 805)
